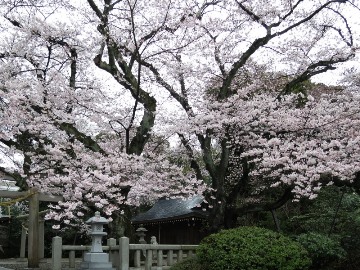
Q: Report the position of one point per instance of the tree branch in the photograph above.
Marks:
(190, 153)
(286, 196)
(314, 69)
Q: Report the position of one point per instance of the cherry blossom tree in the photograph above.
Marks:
(87, 86)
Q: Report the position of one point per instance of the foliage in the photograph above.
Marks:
(12, 228)
(188, 264)
(332, 205)
(251, 248)
(333, 213)
(322, 249)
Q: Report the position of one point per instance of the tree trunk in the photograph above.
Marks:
(217, 217)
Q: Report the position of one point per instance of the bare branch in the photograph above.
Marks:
(315, 69)
(225, 90)
(253, 15)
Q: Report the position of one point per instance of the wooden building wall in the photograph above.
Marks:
(186, 232)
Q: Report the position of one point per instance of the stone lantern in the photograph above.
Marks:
(96, 258)
(141, 232)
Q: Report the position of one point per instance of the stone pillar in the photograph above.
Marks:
(33, 236)
(149, 259)
(96, 258)
(23, 242)
(56, 253)
(111, 242)
(41, 239)
(124, 252)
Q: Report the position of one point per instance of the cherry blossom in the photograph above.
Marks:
(92, 92)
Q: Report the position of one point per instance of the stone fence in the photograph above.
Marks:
(126, 256)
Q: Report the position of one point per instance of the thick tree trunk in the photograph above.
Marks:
(217, 217)
(230, 218)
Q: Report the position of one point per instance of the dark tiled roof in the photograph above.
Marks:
(170, 209)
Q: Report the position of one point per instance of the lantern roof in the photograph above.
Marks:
(97, 219)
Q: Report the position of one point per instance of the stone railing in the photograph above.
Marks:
(160, 256)
(145, 256)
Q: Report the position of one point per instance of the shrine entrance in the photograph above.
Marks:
(35, 238)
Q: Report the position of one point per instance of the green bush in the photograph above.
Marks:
(322, 249)
(188, 264)
(251, 248)
(336, 211)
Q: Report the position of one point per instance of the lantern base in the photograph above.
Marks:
(96, 261)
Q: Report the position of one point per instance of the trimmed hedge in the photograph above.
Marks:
(251, 248)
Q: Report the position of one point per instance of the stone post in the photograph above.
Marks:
(149, 259)
(41, 239)
(33, 236)
(111, 242)
(72, 259)
(170, 257)
(23, 242)
(96, 258)
(56, 253)
(124, 253)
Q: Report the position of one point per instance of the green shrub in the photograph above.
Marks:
(336, 211)
(251, 248)
(322, 249)
(188, 264)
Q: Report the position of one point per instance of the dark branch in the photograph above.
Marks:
(190, 153)
(314, 69)
(286, 196)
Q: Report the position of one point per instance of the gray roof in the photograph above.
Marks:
(171, 209)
